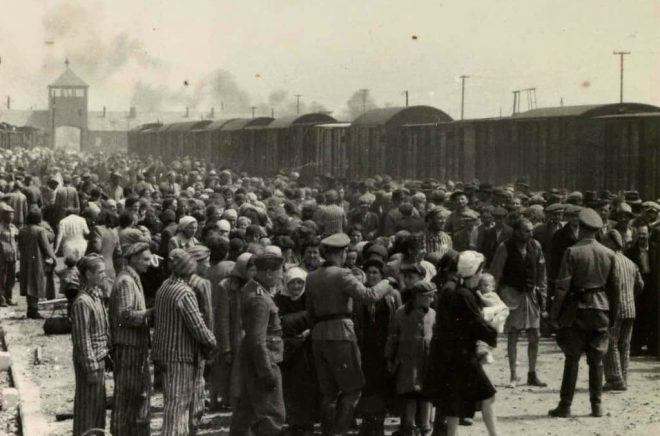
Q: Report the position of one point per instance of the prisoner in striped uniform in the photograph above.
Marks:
(129, 323)
(90, 335)
(618, 354)
(181, 340)
(202, 289)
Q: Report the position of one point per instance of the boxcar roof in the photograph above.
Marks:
(312, 118)
(591, 110)
(217, 124)
(398, 116)
(242, 123)
(333, 125)
(633, 115)
(185, 126)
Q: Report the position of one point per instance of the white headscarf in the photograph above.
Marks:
(292, 274)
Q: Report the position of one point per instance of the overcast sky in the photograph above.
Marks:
(263, 52)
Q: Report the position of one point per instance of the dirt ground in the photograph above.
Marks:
(521, 411)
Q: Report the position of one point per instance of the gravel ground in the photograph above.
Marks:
(521, 411)
(9, 417)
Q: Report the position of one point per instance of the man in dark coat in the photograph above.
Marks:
(586, 306)
(330, 293)
(260, 406)
(494, 236)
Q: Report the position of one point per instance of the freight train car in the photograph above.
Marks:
(230, 142)
(328, 153)
(376, 141)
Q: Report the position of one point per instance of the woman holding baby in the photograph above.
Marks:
(456, 381)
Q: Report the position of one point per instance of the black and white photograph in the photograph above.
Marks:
(329, 218)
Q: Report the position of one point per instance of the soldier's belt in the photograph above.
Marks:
(332, 317)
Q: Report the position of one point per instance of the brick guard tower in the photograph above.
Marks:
(67, 105)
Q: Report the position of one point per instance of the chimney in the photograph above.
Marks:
(104, 112)
(8, 102)
(131, 112)
(212, 112)
(187, 115)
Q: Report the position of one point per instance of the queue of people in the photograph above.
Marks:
(294, 303)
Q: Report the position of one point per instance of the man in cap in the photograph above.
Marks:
(129, 327)
(545, 231)
(181, 339)
(366, 218)
(561, 240)
(8, 254)
(260, 406)
(622, 217)
(467, 238)
(455, 220)
(586, 306)
(330, 293)
(519, 271)
(491, 238)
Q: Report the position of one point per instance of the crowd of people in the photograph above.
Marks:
(296, 302)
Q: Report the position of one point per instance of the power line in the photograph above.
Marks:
(621, 54)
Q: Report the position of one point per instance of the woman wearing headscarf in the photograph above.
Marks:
(455, 380)
(90, 334)
(185, 235)
(228, 328)
(36, 253)
(372, 323)
(301, 392)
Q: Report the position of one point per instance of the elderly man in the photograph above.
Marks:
(181, 339)
(129, 324)
(330, 293)
(519, 270)
(586, 306)
(260, 406)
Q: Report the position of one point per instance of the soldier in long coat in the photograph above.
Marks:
(330, 293)
(35, 252)
(260, 405)
(129, 322)
(586, 306)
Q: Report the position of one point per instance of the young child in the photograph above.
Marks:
(407, 352)
(69, 281)
(494, 311)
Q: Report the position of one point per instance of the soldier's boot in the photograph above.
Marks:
(343, 419)
(439, 425)
(367, 426)
(567, 391)
(328, 419)
(596, 389)
(379, 426)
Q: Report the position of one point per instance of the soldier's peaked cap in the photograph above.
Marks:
(590, 218)
(556, 207)
(268, 261)
(338, 240)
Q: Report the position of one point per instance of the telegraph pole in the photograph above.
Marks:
(463, 93)
(364, 99)
(406, 94)
(253, 109)
(298, 103)
(621, 54)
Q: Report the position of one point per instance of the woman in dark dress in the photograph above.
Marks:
(456, 381)
(302, 398)
(372, 323)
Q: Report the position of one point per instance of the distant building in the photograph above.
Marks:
(68, 122)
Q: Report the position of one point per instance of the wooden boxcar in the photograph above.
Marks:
(328, 154)
(376, 142)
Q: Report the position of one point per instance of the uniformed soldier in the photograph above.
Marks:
(260, 407)
(330, 293)
(586, 305)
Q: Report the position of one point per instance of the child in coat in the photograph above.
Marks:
(407, 352)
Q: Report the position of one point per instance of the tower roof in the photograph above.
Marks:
(69, 79)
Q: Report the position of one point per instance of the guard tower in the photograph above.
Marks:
(67, 104)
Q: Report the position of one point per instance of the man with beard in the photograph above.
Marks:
(519, 270)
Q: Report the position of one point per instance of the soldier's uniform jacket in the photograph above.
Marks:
(587, 279)
(262, 344)
(330, 293)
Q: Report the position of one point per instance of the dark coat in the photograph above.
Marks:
(489, 242)
(455, 379)
(561, 240)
